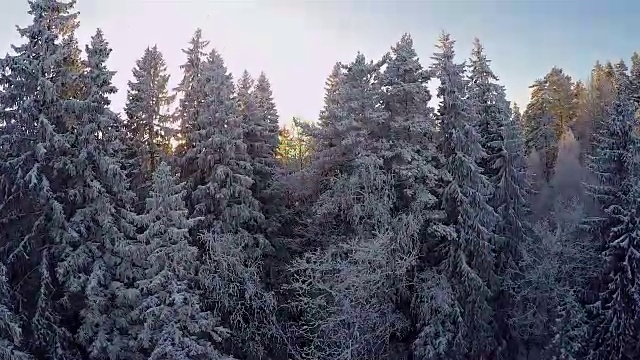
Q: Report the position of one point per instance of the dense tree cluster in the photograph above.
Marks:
(387, 229)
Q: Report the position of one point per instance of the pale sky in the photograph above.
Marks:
(296, 42)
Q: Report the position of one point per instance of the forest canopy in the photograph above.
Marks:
(193, 226)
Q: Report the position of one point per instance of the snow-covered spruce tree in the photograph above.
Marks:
(262, 142)
(342, 223)
(246, 103)
(221, 182)
(72, 87)
(190, 93)
(332, 151)
(36, 164)
(175, 326)
(94, 267)
(491, 109)
(259, 118)
(230, 216)
(468, 256)
(539, 128)
(11, 336)
(615, 333)
(506, 171)
(369, 294)
(354, 110)
(510, 199)
(406, 141)
(147, 121)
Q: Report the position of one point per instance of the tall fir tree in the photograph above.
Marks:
(331, 150)
(615, 332)
(259, 119)
(36, 164)
(246, 102)
(548, 115)
(229, 217)
(511, 198)
(406, 142)
(540, 136)
(262, 142)
(221, 158)
(354, 110)
(469, 258)
(72, 87)
(592, 109)
(148, 118)
(174, 324)
(505, 167)
(491, 109)
(373, 218)
(406, 139)
(190, 92)
(351, 222)
(99, 222)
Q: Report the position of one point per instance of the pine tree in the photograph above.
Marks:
(549, 114)
(228, 216)
(72, 87)
(592, 110)
(407, 144)
(615, 333)
(99, 223)
(147, 118)
(174, 324)
(539, 128)
(406, 138)
(36, 164)
(491, 110)
(262, 142)
(511, 201)
(266, 129)
(354, 111)
(191, 96)
(221, 181)
(352, 221)
(469, 255)
(331, 150)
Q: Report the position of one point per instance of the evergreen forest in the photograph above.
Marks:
(193, 226)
